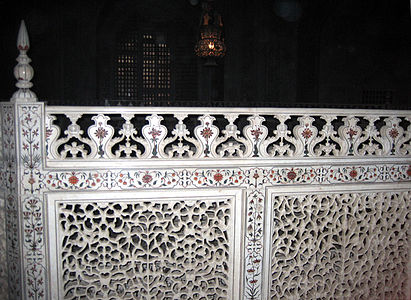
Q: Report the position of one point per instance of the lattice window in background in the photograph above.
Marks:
(143, 69)
(156, 69)
(127, 68)
(382, 98)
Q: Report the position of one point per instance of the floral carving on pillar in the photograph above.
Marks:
(30, 128)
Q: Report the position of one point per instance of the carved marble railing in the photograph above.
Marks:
(201, 203)
(190, 133)
(301, 204)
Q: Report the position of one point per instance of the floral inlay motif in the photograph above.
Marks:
(147, 178)
(256, 133)
(291, 175)
(73, 180)
(353, 173)
(307, 133)
(352, 133)
(393, 133)
(207, 132)
(218, 176)
(155, 133)
(101, 133)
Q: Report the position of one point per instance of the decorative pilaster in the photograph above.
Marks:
(9, 188)
(22, 131)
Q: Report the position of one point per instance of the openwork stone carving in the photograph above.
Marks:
(340, 245)
(146, 250)
(297, 134)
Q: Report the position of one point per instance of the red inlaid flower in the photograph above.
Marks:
(307, 133)
(73, 179)
(291, 175)
(353, 173)
(352, 132)
(393, 133)
(218, 177)
(257, 132)
(32, 180)
(101, 133)
(155, 133)
(409, 171)
(206, 133)
(147, 178)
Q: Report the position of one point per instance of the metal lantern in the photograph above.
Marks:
(211, 40)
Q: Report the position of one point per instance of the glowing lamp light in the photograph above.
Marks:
(211, 41)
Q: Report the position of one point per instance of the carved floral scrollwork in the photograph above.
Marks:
(294, 135)
(328, 135)
(206, 133)
(281, 144)
(181, 134)
(306, 133)
(128, 141)
(154, 133)
(77, 147)
(393, 135)
(404, 143)
(231, 144)
(101, 133)
(350, 132)
(370, 134)
(52, 132)
(256, 133)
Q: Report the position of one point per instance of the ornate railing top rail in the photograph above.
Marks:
(224, 110)
(121, 133)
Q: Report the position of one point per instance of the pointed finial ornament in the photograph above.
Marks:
(23, 71)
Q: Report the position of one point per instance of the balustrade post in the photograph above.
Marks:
(22, 131)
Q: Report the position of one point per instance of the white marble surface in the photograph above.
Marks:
(3, 264)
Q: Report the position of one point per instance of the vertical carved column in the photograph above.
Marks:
(30, 162)
(10, 205)
(22, 128)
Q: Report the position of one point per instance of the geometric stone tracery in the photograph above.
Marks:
(171, 249)
(340, 245)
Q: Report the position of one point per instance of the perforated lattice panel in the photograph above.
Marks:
(146, 250)
(340, 245)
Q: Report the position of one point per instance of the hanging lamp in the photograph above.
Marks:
(211, 39)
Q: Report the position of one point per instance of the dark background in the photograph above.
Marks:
(308, 53)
